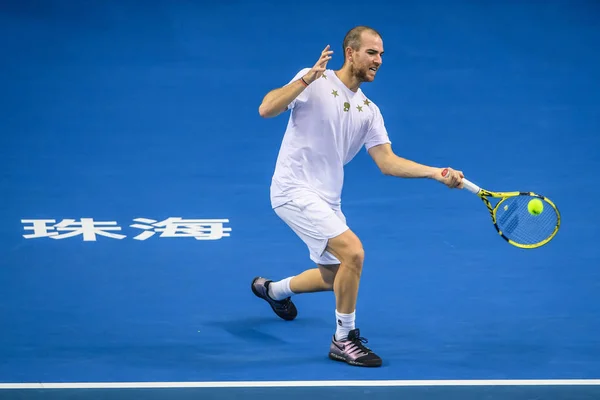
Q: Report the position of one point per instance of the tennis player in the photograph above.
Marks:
(331, 120)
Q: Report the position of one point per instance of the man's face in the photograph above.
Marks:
(367, 59)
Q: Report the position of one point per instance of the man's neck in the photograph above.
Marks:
(345, 75)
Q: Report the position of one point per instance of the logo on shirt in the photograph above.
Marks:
(347, 105)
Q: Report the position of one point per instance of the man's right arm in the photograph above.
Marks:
(277, 100)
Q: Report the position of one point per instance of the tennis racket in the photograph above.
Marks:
(512, 219)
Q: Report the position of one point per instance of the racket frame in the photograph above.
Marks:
(484, 195)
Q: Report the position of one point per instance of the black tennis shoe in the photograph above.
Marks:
(284, 309)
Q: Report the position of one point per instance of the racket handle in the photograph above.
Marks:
(467, 184)
(470, 186)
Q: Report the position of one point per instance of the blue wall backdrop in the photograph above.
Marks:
(114, 111)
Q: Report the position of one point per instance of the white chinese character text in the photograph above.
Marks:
(86, 227)
(200, 229)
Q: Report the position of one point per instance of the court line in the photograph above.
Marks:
(276, 384)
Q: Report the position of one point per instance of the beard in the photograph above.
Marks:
(361, 73)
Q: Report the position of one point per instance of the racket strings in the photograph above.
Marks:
(517, 224)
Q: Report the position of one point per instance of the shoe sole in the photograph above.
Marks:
(337, 357)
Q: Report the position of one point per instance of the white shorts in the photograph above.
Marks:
(315, 222)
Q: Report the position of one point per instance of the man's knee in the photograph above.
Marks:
(348, 248)
(354, 260)
(356, 256)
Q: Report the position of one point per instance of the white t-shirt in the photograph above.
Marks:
(328, 126)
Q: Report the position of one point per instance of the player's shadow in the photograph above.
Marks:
(265, 330)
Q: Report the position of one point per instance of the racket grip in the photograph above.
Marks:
(470, 186)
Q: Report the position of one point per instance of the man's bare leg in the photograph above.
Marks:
(348, 249)
(347, 345)
(319, 279)
(342, 278)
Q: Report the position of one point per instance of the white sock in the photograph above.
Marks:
(344, 324)
(280, 290)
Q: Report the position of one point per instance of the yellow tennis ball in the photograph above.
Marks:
(535, 207)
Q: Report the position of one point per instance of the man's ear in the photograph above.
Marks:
(349, 53)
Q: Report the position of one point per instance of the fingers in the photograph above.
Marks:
(456, 179)
(325, 56)
(321, 64)
(452, 179)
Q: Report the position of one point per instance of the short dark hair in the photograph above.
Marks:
(352, 38)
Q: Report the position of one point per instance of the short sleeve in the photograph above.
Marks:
(377, 133)
(304, 95)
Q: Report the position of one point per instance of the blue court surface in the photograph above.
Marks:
(135, 209)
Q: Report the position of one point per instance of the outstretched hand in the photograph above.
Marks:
(320, 66)
(450, 177)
